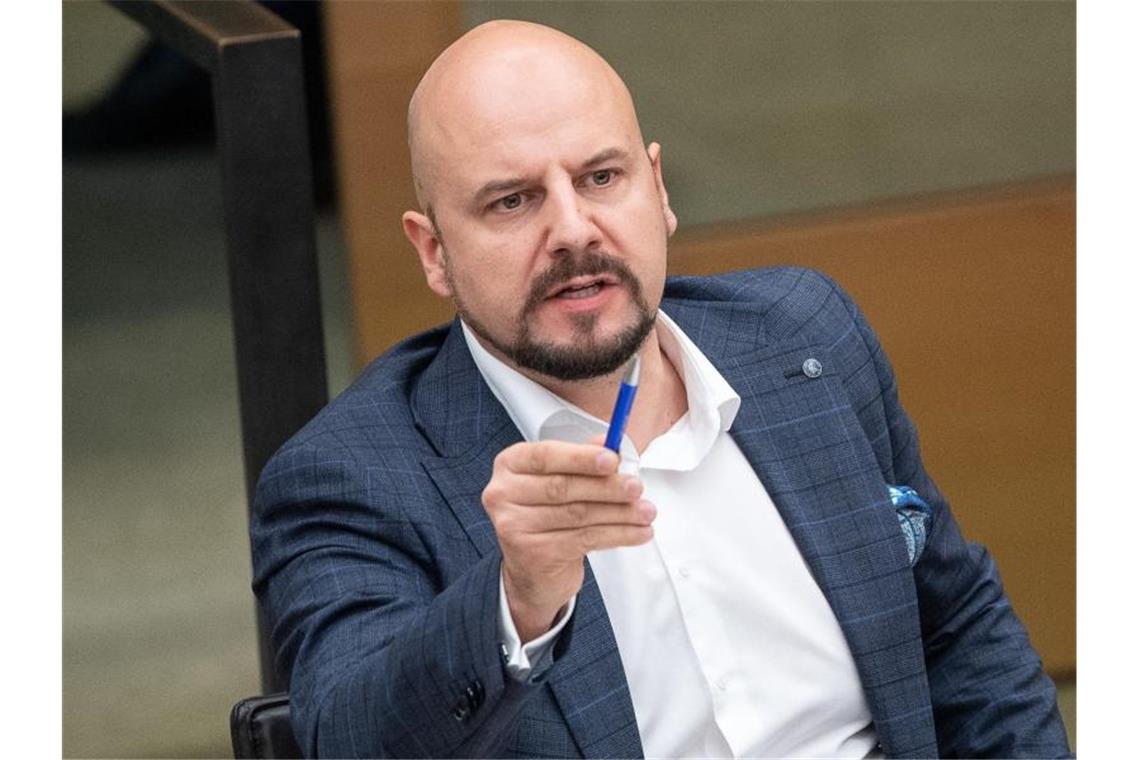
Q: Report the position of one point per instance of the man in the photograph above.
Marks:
(453, 566)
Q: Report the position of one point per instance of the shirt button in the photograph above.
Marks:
(812, 368)
(683, 571)
(722, 684)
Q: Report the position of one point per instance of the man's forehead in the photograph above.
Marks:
(520, 87)
(509, 82)
(515, 111)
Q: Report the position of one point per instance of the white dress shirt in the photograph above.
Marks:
(729, 647)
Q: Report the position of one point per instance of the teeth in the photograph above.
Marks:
(581, 292)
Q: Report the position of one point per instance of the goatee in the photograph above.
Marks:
(585, 356)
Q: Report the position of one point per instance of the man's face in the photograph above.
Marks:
(551, 218)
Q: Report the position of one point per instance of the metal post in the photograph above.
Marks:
(263, 144)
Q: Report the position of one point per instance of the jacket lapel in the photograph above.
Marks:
(468, 426)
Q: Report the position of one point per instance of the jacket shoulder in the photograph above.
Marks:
(788, 302)
(375, 410)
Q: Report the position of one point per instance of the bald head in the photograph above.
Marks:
(500, 75)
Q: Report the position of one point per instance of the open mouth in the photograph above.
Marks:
(582, 287)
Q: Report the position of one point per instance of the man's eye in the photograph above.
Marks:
(512, 201)
(602, 177)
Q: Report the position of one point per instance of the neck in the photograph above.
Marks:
(661, 398)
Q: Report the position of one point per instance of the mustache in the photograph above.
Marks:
(582, 265)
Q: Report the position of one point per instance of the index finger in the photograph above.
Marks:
(549, 457)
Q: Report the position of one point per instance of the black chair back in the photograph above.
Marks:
(260, 728)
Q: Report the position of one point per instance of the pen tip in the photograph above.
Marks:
(632, 370)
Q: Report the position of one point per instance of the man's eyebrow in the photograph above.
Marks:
(501, 186)
(495, 187)
(609, 154)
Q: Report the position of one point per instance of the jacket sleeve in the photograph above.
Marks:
(990, 695)
(382, 661)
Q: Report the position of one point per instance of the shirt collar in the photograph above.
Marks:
(713, 403)
(542, 415)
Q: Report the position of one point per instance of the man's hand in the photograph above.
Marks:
(551, 503)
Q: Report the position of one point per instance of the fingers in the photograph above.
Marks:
(550, 457)
(551, 502)
(578, 515)
(574, 543)
(561, 488)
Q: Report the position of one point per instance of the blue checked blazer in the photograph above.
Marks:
(378, 567)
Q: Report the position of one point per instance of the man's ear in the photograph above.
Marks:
(422, 235)
(654, 151)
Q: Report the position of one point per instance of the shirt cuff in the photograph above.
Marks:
(528, 662)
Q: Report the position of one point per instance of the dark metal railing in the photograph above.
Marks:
(254, 59)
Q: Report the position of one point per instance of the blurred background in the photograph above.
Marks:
(922, 153)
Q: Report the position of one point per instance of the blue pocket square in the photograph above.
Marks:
(914, 519)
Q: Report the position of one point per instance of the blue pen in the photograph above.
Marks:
(624, 404)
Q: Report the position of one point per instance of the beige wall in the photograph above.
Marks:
(377, 54)
(98, 43)
(769, 107)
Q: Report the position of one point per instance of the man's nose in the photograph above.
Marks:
(572, 226)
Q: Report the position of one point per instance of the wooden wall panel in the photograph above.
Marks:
(377, 54)
(973, 296)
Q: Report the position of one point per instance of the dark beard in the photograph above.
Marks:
(586, 357)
